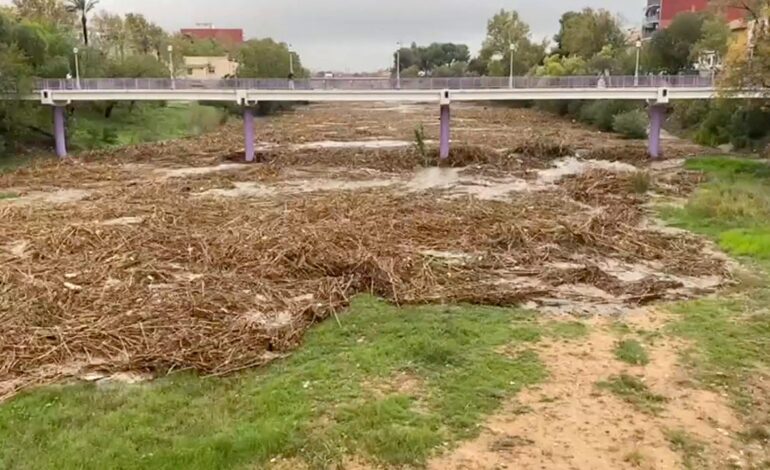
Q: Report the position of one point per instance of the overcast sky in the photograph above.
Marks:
(360, 35)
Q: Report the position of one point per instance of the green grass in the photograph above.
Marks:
(634, 391)
(566, 330)
(731, 333)
(337, 395)
(8, 195)
(632, 352)
(146, 123)
(690, 448)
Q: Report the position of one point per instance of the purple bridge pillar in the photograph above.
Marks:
(444, 133)
(248, 132)
(657, 115)
(59, 133)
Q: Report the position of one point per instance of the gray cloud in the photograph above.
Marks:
(360, 35)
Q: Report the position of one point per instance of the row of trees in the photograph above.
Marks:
(37, 39)
(592, 42)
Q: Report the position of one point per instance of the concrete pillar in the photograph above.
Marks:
(59, 133)
(444, 133)
(248, 132)
(657, 115)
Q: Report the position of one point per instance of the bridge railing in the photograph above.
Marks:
(364, 83)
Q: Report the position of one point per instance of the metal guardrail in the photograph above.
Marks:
(364, 83)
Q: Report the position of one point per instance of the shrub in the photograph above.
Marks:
(714, 130)
(631, 124)
(602, 113)
(690, 113)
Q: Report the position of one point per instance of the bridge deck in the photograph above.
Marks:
(245, 91)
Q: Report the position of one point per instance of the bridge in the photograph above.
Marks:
(656, 90)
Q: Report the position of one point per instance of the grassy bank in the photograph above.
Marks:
(89, 128)
(386, 384)
(731, 333)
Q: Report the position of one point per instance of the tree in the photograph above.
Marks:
(748, 58)
(111, 33)
(434, 56)
(587, 32)
(82, 8)
(144, 36)
(43, 11)
(504, 29)
(670, 49)
(266, 58)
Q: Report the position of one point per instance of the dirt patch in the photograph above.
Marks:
(567, 423)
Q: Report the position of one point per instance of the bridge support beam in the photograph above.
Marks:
(444, 132)
(59, 133)
(657, 116)
(248, 133)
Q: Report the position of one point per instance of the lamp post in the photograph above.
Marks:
(170, 49)
(638, 56)
(398, 66)
(512, 48)
(291, 68)
(77, 68)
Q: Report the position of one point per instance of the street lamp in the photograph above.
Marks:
(77, 68)
(398, 66)
(291, 68)
(638, 55)
(512, 47)
(170, 49)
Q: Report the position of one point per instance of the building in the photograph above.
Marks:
(660, 13)
(209, 67)
(225, 36)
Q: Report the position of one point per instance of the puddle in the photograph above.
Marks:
(573, 166)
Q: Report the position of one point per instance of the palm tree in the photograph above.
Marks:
(83, 8)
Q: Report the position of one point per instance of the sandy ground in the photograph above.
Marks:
(569, 423)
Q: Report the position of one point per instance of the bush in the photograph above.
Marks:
(690, 113)
(714, 130)
(602, 113)
(631, 124)
(747, 126)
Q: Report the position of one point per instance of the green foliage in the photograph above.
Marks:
(419, 143)
(631, 124)
(632, 352)
(89, 129)
(585, 33)
(689, 113)
(602, 113)
(690, 448)
(670, 49)
(388, 385)
(634, 391)
(442, 59)
(641, 181)
(503, 29)
(265, 58)
(557, 66)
